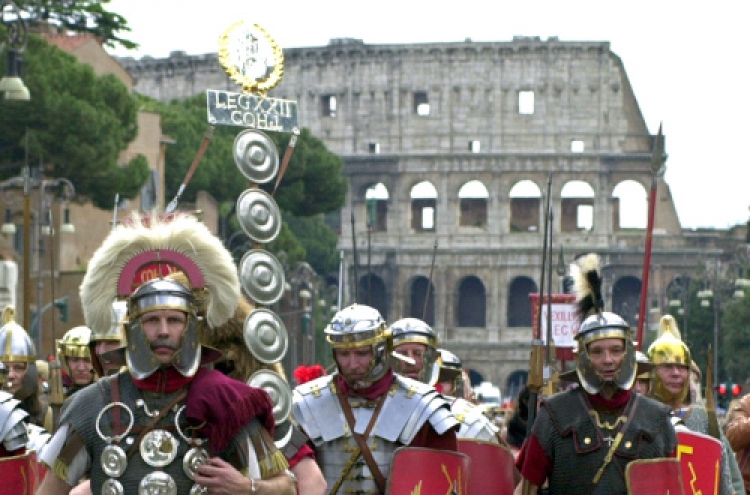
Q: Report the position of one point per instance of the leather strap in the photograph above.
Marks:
(115, 391)
(362, 439)
(153, 422)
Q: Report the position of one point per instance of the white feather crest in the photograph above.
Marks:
(579, 269)
(184, 234)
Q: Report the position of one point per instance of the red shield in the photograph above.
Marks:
(20, 474)
(492, 467)
(700, 459)
(419, 471)
(654, 477)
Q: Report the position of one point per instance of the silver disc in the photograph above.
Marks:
(113, 461)
(265, 336)
(262, 276)
(278, 389)
(157, 483)
(194, 458)
(282, 433)
(256, 156)
(112, 487)
(259, 215)
(198, 490)
(159, 448)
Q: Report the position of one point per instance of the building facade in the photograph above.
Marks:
(450, 149)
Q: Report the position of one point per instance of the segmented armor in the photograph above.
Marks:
(13, 433)
(407, 407)
(473, 423)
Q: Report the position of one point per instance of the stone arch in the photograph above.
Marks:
(577, 204)
(376, 205)
(472, 198)
(630, 205)
(626, 295)
(472, 303)
(514, 383)
(372, 292)
(423, 206)
(519, 303)
(421, 288)
(525, 206)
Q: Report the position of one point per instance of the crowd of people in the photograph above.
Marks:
(157, 397)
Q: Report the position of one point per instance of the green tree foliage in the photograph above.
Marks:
(735, 328)
(77, 122)
(312, 184)
(80, 16)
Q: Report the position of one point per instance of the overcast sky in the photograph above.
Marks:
(687, 62)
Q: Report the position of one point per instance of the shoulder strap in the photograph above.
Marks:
(362, 439)
(632, 405)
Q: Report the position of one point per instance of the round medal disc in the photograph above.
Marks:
(194, 458)
(114, 461)
(157, 482)
(159, 448)
(112, 487)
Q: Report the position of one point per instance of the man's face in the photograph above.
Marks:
(102, 347)
(354, 364)
(606, 357)
(80, 370)
(414, 351)
(641, 385)
(673, 376)
(16, 372)
(164, 329)
(446, 388)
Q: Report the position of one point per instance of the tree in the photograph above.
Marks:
(77, 122)
(80, 16)
(736, 338)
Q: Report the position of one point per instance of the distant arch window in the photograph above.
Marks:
(372, 292)
(525, 207)
(423, 204)
(421, 290)
(577, 206)
(473, 197)
(519, 303)
(376, 201)
(472, 303)
(630, 209)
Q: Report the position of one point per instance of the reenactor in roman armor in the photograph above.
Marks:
(361, 414)
(74, 356)
(168, 423)
(416, 340)
(18, 354)
(13, 436)
(670, 384)
(106, 339)
(643, 378)
(583, 439)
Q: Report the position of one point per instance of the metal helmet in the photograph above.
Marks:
(415, 331)
(669, 348)
(75, 344)
(451, 370)
(16, 347)
(599, 326)
(644, 366)
(357, 326)
(154, 295)
(113, 333)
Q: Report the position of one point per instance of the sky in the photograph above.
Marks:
(686, 60)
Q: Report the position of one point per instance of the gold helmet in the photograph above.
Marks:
(669, 348)
(74, 344)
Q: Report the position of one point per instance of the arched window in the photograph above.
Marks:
(472, 303)
(626, 299)
(372, 293)
(519, 303)
(473, 204)
(577, 206)
(422, 288)
(423, 204)
(376, 199)
(525, 204)
(630, 205)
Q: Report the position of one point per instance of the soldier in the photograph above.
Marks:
(643, 378)
(107, 339)
(13, 437)
(168, 423)
(365, 400)
(670, 384)
(583, 439)
(75, 357)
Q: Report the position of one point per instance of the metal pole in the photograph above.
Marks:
(716, 320)
(27, 250)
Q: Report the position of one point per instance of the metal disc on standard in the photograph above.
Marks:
(265, 336)
(262, 276)
(278, 389)
(256, 156)
(259, 215)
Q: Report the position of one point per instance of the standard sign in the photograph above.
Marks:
(564, 324)
(255, 112)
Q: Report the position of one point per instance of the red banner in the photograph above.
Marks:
(564, 323)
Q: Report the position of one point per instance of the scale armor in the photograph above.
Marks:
(473, 423)
(407, 407)
(13, 433)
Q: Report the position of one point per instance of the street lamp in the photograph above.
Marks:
(16, 39)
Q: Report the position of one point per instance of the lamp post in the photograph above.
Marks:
(16, 39)
(679, 300)
(43, 226)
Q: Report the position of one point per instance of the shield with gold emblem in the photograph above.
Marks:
(20, 474)
(492, 466)
(420, 471)
(660, 476)
(700, 459)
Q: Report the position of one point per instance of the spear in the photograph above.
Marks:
(713, 421)
(355, 260)
(657, 161)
